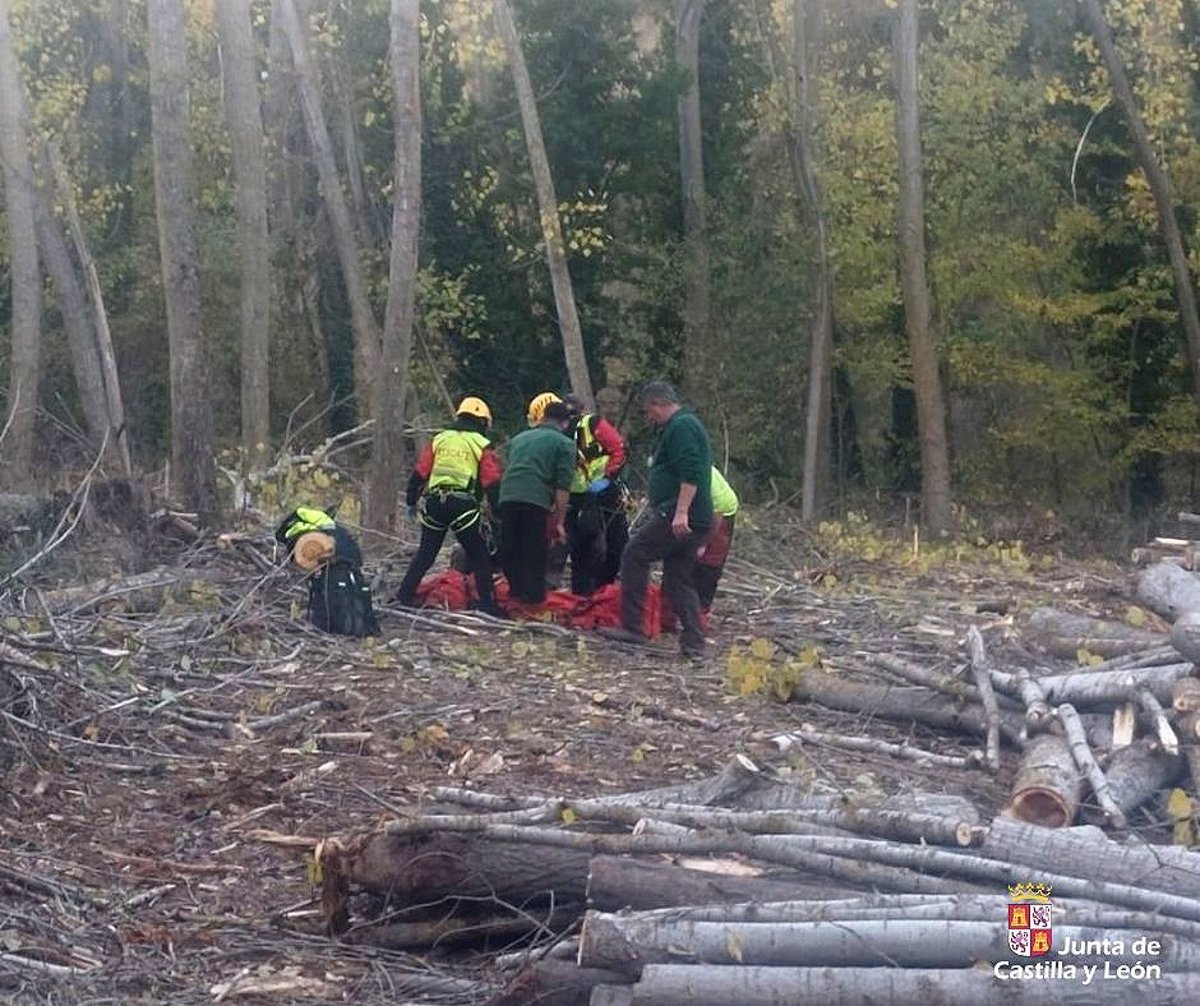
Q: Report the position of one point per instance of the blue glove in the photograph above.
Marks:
(411, 511)
(599, 485)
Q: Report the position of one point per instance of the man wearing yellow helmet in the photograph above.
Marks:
(451, 477)
(537, 407)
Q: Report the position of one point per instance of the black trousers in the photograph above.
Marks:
(524, 550)
(596, 536)
(652, 541)
(459, 513)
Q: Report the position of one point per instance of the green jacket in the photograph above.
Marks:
(539, 461)
(682, 454)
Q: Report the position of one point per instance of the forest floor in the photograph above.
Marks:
(165, 773)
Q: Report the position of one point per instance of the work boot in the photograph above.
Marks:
(620, 634)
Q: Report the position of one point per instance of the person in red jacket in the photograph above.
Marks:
(451, 477)
(597, 529)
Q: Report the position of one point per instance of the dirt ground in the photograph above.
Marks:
(147, 796)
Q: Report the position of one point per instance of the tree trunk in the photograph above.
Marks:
(1135, 773)
(392, 375)
(1156, 176)
(1088, 851)
(627, 944)
(77, 321)
(243, 117)
(698, 375)
(1101, 688)
(672, 984)
(927, 382)
(1168, 590)
(175, 201)
(114, 400)
(553, 983)
(818, 411)
(618, 882)
(1048, 787)
(362, 318)
(551, 226)
(1064, 634)
(24, 360)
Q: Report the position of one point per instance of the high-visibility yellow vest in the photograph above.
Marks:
(590, 459)
(456, 455)
(725, 501)
(307, 519)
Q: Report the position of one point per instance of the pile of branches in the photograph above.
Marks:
(742, 888)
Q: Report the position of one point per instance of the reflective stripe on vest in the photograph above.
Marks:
(724, 499)
(590, 459)
(456, 455)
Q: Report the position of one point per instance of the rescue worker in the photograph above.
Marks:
(533, 500)
(714, 550)
(597, 530)
(451, 478)
(678, 518)
(339, 597)
(557, 552)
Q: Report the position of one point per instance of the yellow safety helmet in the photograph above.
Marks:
(537, 406)
(477, 407)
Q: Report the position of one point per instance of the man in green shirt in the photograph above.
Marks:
(678, 516)
(533, 501)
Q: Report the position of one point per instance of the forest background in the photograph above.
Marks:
(893, 252)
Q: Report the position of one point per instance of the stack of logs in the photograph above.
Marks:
(744, 889)
(871, 902)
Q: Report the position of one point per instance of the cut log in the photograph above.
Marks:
(918, 674)
(611, 995)
(1185, 635)
(1159, 723)
(1064, 634)
(1160, 868)
(673, 984)
(448, 931)
(553, 983)
(417, 869)
(809, 734)
(1086, 762)
(906, 705)
(980, 667)
(964, 907)
(1135, 773)
(1048, 788)
(1168, 590)
(616, 882)
(1037, 711)
(1102, 689)
(1185, 695)
(627, 944)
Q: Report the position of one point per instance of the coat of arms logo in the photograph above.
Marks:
(1029, 920)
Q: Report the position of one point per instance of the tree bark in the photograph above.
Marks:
(697, 309)
(1168, 590)
(1159, 868)
(619, 882)
(553, 983)
(243, 116)
(362, 318)
(672, 984)
(1135, 773)
(1185, 635)
(627, 944)
(1102, 688)
(1156, 176)
(1086, 762)
(1049, 786)
(1064, 634)
(175, 200)
(551, 226)
(918, 314)
(818, 409)
(114, 400)
(24, 360)
(396, 349)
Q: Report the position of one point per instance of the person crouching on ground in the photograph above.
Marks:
(451, 477)
(679, 514)
(339, 596)
(533, 501)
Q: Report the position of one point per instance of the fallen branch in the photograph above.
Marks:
(1087, 764)
(987, 697)
(809, 734)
